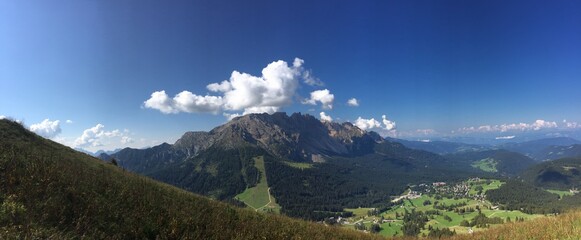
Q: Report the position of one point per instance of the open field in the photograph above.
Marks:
(561, 193)
(299, 165)
(494, 184)
(487, 165)
(258, 197)
(445, 219)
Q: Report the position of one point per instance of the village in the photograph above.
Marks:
(445, 204)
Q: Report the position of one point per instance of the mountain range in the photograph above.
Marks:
(347, 166)
(312, 169)
(318, 168)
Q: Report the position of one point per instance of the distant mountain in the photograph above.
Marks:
(49, 191)
(564, 173)
(104, 157)
(345, 166)
(84, 151)
(301, 138)
(97, 153)
(500, 162)
(532, 148)
(439, 147)
(556, 152)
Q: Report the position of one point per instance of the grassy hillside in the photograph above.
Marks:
(566, 226)
(487, 165)
(499, 162)
(258, 197)
(561, 174)
(51, 191)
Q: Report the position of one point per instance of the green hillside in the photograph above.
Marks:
(50, 191)
(487, 165)
(258, 197)
(561, 174)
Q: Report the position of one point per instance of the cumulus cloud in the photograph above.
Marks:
(504, 137)
(323, 96)
(325, 117)
(352, 102)
(371, 124)
(568, 124)
(389, 125)
(367, 124)
(69, 121)
(92, 137)
(534, 126)
(2, 117)
(184, 101)
(307, 76)
(47, 128)
(231, 116)
(269, 92)
(126, 140)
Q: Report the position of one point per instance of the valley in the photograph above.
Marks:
(291, 120)
(462, 208)
(352, 180)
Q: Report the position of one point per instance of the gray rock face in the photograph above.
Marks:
(297, 137)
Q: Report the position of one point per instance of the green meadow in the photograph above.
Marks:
(258, 197)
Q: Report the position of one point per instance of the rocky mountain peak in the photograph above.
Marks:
(299, 137)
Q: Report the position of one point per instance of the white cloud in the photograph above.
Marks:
(367, 124)
(427, 131)
(504, 137)
(224, 86)
(323, 96)
(389, 125)
(309, 79)
(93, 137)
(535, 126)
(89, 136)
(2, 117)
(184, 101)
(47, 128)
(568, 124)
(126, 140)
(325, 117)
(352, 102)
(242, 92)
(307, 76)
(231, 116)
(69, 121)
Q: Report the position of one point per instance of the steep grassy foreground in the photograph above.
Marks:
(566, 226)
(50, 191)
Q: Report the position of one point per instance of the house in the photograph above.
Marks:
(438, 184)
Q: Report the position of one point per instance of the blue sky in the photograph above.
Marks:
(438, 66)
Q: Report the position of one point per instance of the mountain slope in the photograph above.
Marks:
(564, 226)
(341, 159)
(50, 191)
(502, 162)
(531, 148)
(564, 173)
(297, 137)
(439, 147)
(556, 152)
(219, 163)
